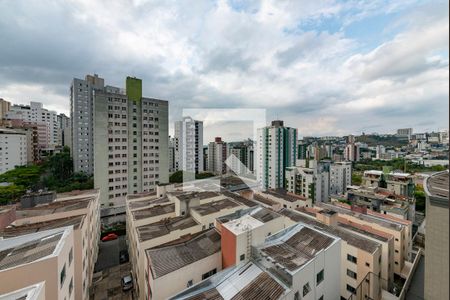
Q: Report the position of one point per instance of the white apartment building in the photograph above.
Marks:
(340, 177)
(276, 151)
(189, 145)
(244, 161)
(64, 130)
(131, 143)
(217, 154)
(45, 256)
(311, 183)
(13, 149)
(352, 152)
(172, 166)
(36, 114)
(380, 151)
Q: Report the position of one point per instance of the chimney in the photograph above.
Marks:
(327, 217)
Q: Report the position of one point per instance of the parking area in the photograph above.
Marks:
(108, 253)
(106, 284)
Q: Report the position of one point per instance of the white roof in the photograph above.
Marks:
(31, 292)
(373, 172)
(243, 224)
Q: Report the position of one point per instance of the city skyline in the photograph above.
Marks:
(385, 65)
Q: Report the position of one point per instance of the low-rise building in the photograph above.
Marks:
(182, 263)
(45, 256)
(163, 218)
(285, 199)
(77, 209)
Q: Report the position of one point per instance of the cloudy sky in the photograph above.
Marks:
(325, 67)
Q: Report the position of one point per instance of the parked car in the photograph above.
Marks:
(109, 237)
(127, 283)
(123, 256)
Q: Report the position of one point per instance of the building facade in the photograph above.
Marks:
(276, 151)
(217, 154)
(131, 142)
(189, 145)
(46, 120)
(5, 106)
(81, 116)
(437, 237)
(13, 149)
(340, 177)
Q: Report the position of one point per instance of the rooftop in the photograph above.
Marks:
(31, 292)
(154, 211)
(437, 187)
(280, 193)
(386, 222)
(12, 231)
(264, 200)
(351, 239)
(28, 248)
(245, 281)
(216, 206)
(197, 195)
(54, 207)
(296, 246)
(259, 213)
(164, 260)
(240, 199)
(147, 202)
(164, 227)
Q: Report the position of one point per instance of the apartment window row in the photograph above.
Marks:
(352, 259)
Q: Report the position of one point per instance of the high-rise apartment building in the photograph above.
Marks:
(46, 120)
(81, 116)
(189, 145)
(131, 142)
(172, 165)
(217, 154)
(4, 108)
(352, 152)
(13, 149)
(405, 132)
(436, 240)
(340, 177)
(64, 130)
(276, 150)
(244, 152)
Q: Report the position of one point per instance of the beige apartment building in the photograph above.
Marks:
(170, 217)
(78, 209)
(46, 257)
(360, 264)
(182, 263)
(436, 237)
(400, 229)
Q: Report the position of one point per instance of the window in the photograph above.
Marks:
(319, 277)
(62, 276)
(70, 286)
(320, 298)
(70, 256)
(351, 258)
(367, 265)
(351, 289)
(242, 257)
(189, 283)
(296, 296)
(306, 289)
(208, 274)
(351, 274)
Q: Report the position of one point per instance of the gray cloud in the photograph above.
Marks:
(219, 55)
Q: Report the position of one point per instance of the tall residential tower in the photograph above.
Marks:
(130, 142)
(189, 145)
(276, 150)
